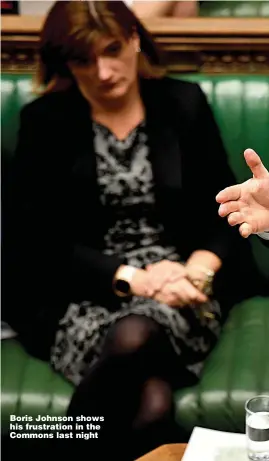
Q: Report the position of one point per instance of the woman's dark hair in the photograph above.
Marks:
(72, 27)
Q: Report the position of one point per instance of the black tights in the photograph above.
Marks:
(132, 386)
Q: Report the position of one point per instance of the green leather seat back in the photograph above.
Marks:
(236, 370)
(15, 92)
(238, 9)
(29, 386)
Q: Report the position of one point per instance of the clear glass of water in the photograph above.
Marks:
(257, 428)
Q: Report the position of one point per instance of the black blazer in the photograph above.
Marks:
(265, 242)
(58, 223)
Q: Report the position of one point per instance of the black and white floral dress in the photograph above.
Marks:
(126, 186)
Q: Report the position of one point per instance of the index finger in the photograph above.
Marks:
(230, 193)
(190, 290)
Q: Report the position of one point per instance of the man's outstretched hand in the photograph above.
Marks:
(247, 204)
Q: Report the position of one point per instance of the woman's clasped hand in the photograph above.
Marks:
(167, 282)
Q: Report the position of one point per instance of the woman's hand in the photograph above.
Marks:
(166, 282)
(180, 293)
(141, 284)
(201, 268)
(165, 272)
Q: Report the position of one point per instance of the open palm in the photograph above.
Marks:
(247, 204)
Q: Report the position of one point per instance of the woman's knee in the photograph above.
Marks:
(130, 334)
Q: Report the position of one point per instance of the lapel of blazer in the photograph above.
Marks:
(163, 135)
(85, 160)
(85, 194)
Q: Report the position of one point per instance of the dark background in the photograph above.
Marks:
(9, 7)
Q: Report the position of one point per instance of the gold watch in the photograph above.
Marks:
(122, 281)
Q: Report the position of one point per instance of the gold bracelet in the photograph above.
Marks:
(204, 285)
(205, 270)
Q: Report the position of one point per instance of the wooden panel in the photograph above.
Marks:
(208, 45)
(172, 452)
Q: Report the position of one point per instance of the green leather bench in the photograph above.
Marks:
(238, 367)
(237, 9)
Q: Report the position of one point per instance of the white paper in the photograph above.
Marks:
(6, 331)
(210, 445)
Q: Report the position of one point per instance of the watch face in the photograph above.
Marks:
(123, 286)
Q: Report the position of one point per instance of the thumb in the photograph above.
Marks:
(255, 164)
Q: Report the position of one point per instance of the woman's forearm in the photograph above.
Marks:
(201, 268)
(205, 259)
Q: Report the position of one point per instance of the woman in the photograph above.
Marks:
(112, 256)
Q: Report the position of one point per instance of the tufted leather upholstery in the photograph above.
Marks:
(29, 386)
(238, 366)
(238, 9)
(237, 369)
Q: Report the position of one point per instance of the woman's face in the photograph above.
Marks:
(112, 69)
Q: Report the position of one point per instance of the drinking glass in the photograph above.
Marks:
(257, 428)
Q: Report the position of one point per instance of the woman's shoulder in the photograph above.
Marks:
(176, 86)
(181, 96)
(47, 105)
(182, 92)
